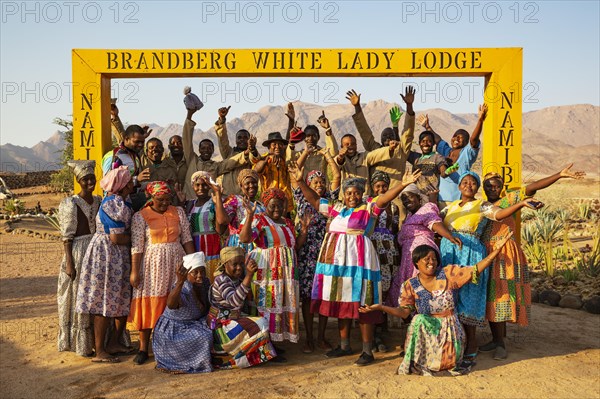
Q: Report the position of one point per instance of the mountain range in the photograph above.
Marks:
(552, 137)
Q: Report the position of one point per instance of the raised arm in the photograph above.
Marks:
(329, 137)
(474, 139)
(365, 132)
(221, 217)
(174, 298)
(487, 261)
(423, 120)
(408, 131)
(221, 130)
(309, 194)
(566, 173)
(336, 178)
(246, 232)
(117, 128)
(188, 138)
(291, 114)
(408, 178)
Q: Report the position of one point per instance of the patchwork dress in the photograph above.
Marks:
(435, 340)
(204, 233)
(347, 274)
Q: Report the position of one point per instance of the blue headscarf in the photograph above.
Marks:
(470, 173)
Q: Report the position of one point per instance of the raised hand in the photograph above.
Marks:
(251, 267)
(252, 142)
(144, 175)
(342, 152)
(291, 112)
(395, 115)
(249, 207)
(214, 186)
(223, 111)
(114, 111)
(423, 120)
(294, 171)
(353, 97)
(483, 109)
(451, 169)
(147, 131)
(409, 177)
(323, 121)
(409, 95)
(182, 273)
(179, 192)
(566, 172)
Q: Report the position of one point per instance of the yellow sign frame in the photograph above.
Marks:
(93, 70)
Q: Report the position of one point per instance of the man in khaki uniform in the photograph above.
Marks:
(203, 161)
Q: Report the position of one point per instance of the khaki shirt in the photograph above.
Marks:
(216, 168)
(359, 165)
(315, 161)
(229, 179)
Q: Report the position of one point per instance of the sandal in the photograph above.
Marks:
(110, 359)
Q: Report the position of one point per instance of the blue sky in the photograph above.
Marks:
(560, 42)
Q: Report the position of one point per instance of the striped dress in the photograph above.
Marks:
(277, 276)
(347, 274)
(239, 342)
(204, 233)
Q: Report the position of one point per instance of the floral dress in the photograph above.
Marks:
(509, 291)
(159, 237)
(309, 252)
(416, 230)
(74, 329)
(467, 223)
(384, 239)
(435, 339)
(234, 207)
(277, 276)
(104, 287)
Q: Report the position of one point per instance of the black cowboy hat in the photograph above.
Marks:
(274, 136)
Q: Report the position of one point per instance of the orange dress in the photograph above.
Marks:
(160, 238)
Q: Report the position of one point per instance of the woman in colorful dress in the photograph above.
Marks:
(347, 274)
(239, 342)
(308, 253)
(275, 242)
(104, 289)
(435, 340)
(208, 219)
(160, 236)
(509, 292)
(248, 180)
(74, 329)
(466, 218)
(182, 341)
(422, 222)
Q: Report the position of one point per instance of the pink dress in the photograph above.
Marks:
(416, 230)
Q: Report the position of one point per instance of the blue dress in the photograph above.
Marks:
(182, 341)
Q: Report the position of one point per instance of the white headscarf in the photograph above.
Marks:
(194, 261)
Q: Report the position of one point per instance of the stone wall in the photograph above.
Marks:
(27, 179)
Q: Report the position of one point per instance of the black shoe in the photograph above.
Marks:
(364, 359)
(140, 358)
(339, 352)
(279, 350)
(279, 359)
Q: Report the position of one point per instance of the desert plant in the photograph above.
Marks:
(589, 263)
(63, 180)
(570, 274)
(14, 206)
(583, 211)
(52, 220)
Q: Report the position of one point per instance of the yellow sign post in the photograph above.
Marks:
(501, 68)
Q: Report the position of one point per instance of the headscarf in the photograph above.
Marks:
(82, 168)
(116, 179)
(493, 175)
(227, 254)
(194, 261)
(312, 175)
(155, 188)
(200, 174)
(470, 173)
(271, 193)
(380, 176)
(412, 188)
(357, 182)
(246, 173)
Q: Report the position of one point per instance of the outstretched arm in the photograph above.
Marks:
(506, 212)
(566, 173)
(365, 132)
(487, 261)
(408, 178)
(474, 140)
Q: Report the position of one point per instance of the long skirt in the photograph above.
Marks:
(74, 329)
(210, 244)
(182, 345)
(242, 343)
(433, 344)
(278, 291)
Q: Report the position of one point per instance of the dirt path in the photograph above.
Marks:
(558, 356)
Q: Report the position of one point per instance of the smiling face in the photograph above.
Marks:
(352, 197)
(459, 139)
(411, 201)
(426, 144)
(201, 189)
(468, 187)
(387, 134)
(349, 143)
(87, 183)
(318, 184)
(250, 187)
(206, 149)
(492, 188)
(135, 142)
(235, 267)
(276, 147)
(241, 139)
(275, 208)
(161, 202)
(380, 187)
(428, 264)
(176, 146)
(155, 151)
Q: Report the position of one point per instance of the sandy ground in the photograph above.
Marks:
(558, 356)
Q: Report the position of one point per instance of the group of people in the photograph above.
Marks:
(213, 261)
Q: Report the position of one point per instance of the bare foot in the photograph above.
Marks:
(118, 349)
(309, 347)
(104, 357)
(324, 345)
